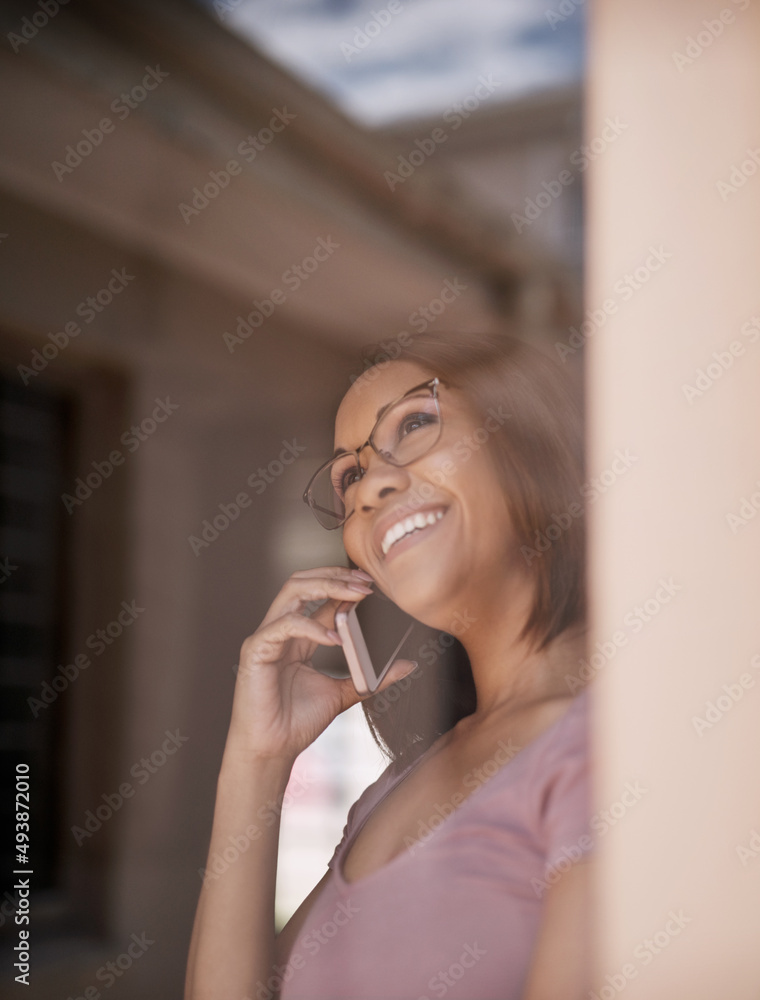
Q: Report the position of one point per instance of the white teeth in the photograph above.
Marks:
(407, 525)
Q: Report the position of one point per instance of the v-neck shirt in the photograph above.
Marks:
(457, 913)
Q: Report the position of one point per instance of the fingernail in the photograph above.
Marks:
(362, 574)
(360, 587)
(334, 636)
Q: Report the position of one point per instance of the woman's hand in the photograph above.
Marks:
(281, 703)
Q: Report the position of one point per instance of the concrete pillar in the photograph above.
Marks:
(673, 363)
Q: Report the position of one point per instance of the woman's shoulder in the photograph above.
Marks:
(548, 731)
(567, 717)
(536, 767)
(560, 781)
(563, 739)
(572, 722)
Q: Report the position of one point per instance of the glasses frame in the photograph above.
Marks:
(431, 384)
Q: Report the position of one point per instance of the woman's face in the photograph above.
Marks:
(464, 562)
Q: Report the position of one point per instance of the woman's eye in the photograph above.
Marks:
(348, 478)
(413, 421)
(343, 479)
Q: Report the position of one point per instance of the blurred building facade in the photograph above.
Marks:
(195, 248)
(522, 165)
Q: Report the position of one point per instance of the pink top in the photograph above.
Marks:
(458, 915)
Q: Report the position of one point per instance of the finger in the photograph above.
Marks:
(328, 571)
(326, 613)
(337, 572)
(297, 591)
(267, 643)
(399, 670)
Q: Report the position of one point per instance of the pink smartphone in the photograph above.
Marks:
(365, 675)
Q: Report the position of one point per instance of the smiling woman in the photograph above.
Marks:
(460, 869)
(522, 422)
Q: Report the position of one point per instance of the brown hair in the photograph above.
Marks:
(538, 456)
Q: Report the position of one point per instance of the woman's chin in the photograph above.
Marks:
(420, 590)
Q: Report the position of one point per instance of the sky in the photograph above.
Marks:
(393, 60)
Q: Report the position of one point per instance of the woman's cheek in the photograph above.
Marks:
(348, 544)
(439, 472)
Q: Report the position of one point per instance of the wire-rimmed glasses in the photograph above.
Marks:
(406, 429)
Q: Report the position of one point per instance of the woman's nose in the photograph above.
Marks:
(378, 479)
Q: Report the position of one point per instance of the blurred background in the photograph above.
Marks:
(207, 211)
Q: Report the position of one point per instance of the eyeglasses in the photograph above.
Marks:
(406, 429)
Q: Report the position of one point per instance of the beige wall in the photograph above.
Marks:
(680, 843)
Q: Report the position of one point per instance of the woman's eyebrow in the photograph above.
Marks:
(378, 414)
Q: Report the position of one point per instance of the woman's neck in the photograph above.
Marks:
(521, 676)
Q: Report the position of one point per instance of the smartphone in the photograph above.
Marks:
(392, 628)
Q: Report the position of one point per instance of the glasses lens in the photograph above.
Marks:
(409, 429)
(330, 487)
